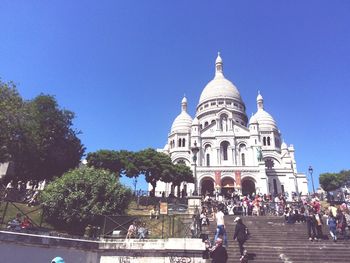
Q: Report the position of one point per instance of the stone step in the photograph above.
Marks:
(272, 240)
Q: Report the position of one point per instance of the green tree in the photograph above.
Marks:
(345, 175)
(181, 173)
(155, 166)
(15, 144)
(57, 147)
(120, 162)
(331, 181)
(36, 136)
(106, 159)
(75, 200)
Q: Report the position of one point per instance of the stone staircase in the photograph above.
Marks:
(274, 241)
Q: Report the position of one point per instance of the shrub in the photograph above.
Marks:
(76, 199)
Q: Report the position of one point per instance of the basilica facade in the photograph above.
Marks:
(226, 151)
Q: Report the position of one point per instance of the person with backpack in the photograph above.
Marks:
(241, 235)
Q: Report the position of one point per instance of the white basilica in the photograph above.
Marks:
(233, 154)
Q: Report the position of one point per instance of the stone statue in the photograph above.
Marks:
(259, 154)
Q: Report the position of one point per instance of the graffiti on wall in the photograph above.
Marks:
(175, 259)
(124, 259)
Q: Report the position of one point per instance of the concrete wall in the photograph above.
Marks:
(22, 247)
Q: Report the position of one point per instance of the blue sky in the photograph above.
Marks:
(123, 66)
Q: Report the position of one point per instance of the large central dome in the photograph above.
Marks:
(219, 87)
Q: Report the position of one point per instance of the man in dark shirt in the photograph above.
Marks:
(218, 253)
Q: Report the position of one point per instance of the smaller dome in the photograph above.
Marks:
(182, 122)
(253, 120)
(184, 100)
(265, 119)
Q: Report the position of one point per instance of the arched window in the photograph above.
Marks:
(243, 159)
(206, 124)
(179, 143)
(268, 141)
(183, 142)
(208, 159)
(264, 141)
(224, 150)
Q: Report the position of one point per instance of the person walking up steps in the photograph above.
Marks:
(241, 235)
(220, 222)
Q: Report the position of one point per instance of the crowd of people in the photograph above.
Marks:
(308, 211)
(256, 204)
(336, 218)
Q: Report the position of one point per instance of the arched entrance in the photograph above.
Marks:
(207, 186)
(248, 186)
(227, 186)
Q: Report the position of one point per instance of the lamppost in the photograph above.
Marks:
(195, 150)
(311, 170)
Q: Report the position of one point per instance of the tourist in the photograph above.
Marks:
(154, 213)
(218, 253)
(341, 222)
(332, 225)
(204, 217)
(220, 225)
(26, 223)
(311, 224)
(332, 209)
(142, 231)
(256, 206)
(277, 205)
(131, 230)
(15, 223)
(241, 235)
(245, 202)
(57, 260)
(319, 224)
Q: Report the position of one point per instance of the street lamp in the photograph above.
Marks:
(311, 170)
(195, 150)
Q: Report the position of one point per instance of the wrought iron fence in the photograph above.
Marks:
(162, 226)
(15, 217)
